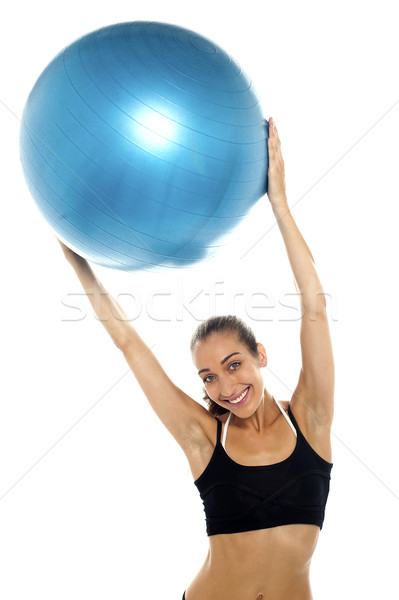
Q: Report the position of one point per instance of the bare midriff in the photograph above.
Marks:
(267, 564)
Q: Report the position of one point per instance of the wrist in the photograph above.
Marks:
(280, 206)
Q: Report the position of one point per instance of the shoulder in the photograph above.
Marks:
(223, 418)
(202, 445)
(318, 437)
(207, 429)
(285, 404)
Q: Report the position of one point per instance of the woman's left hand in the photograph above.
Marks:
(276, 174)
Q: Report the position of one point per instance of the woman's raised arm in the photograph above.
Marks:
(314, 394)
(108, 311)
(186, 419)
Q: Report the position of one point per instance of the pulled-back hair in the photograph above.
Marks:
(222, 324)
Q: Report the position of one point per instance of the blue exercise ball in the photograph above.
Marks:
(144, 145)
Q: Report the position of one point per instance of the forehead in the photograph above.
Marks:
(216, 347)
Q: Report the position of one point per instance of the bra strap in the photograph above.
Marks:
(225, 431)
(287, 417)
(219, 430)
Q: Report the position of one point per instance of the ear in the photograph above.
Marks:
(262, 355)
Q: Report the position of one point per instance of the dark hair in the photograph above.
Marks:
(228, 323)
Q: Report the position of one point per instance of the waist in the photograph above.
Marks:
(263, 548)
(241, 566)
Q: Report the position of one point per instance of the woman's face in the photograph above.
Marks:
(230, 372)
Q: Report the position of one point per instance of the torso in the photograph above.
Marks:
(265, 564)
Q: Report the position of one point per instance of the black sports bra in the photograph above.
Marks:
(243, 498)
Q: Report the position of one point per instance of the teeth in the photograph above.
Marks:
(240, 397)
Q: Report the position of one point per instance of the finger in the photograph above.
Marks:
(271, 148)
(276, 137)
(271, 132)
(270, 139)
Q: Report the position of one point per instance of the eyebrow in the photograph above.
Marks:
(222, 362)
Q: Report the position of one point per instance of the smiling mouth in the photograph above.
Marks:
(241, 398)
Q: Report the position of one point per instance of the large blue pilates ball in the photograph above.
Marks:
(144, 145)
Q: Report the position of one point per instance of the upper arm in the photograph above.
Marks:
(314, 394)
(186, 419)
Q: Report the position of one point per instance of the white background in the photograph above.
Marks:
(96, 498)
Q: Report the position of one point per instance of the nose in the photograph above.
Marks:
(227, 388)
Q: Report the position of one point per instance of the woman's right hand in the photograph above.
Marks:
(276, 174)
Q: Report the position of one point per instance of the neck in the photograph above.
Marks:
(266, 413)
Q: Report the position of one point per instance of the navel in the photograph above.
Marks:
(259, 597)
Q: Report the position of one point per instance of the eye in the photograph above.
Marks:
(208, 379)
(234, 366)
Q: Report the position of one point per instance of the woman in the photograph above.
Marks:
(262, 467)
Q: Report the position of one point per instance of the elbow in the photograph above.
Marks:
(126, 339)
(121, 338)
(314, 304)
(119, 344)
(312, 296)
